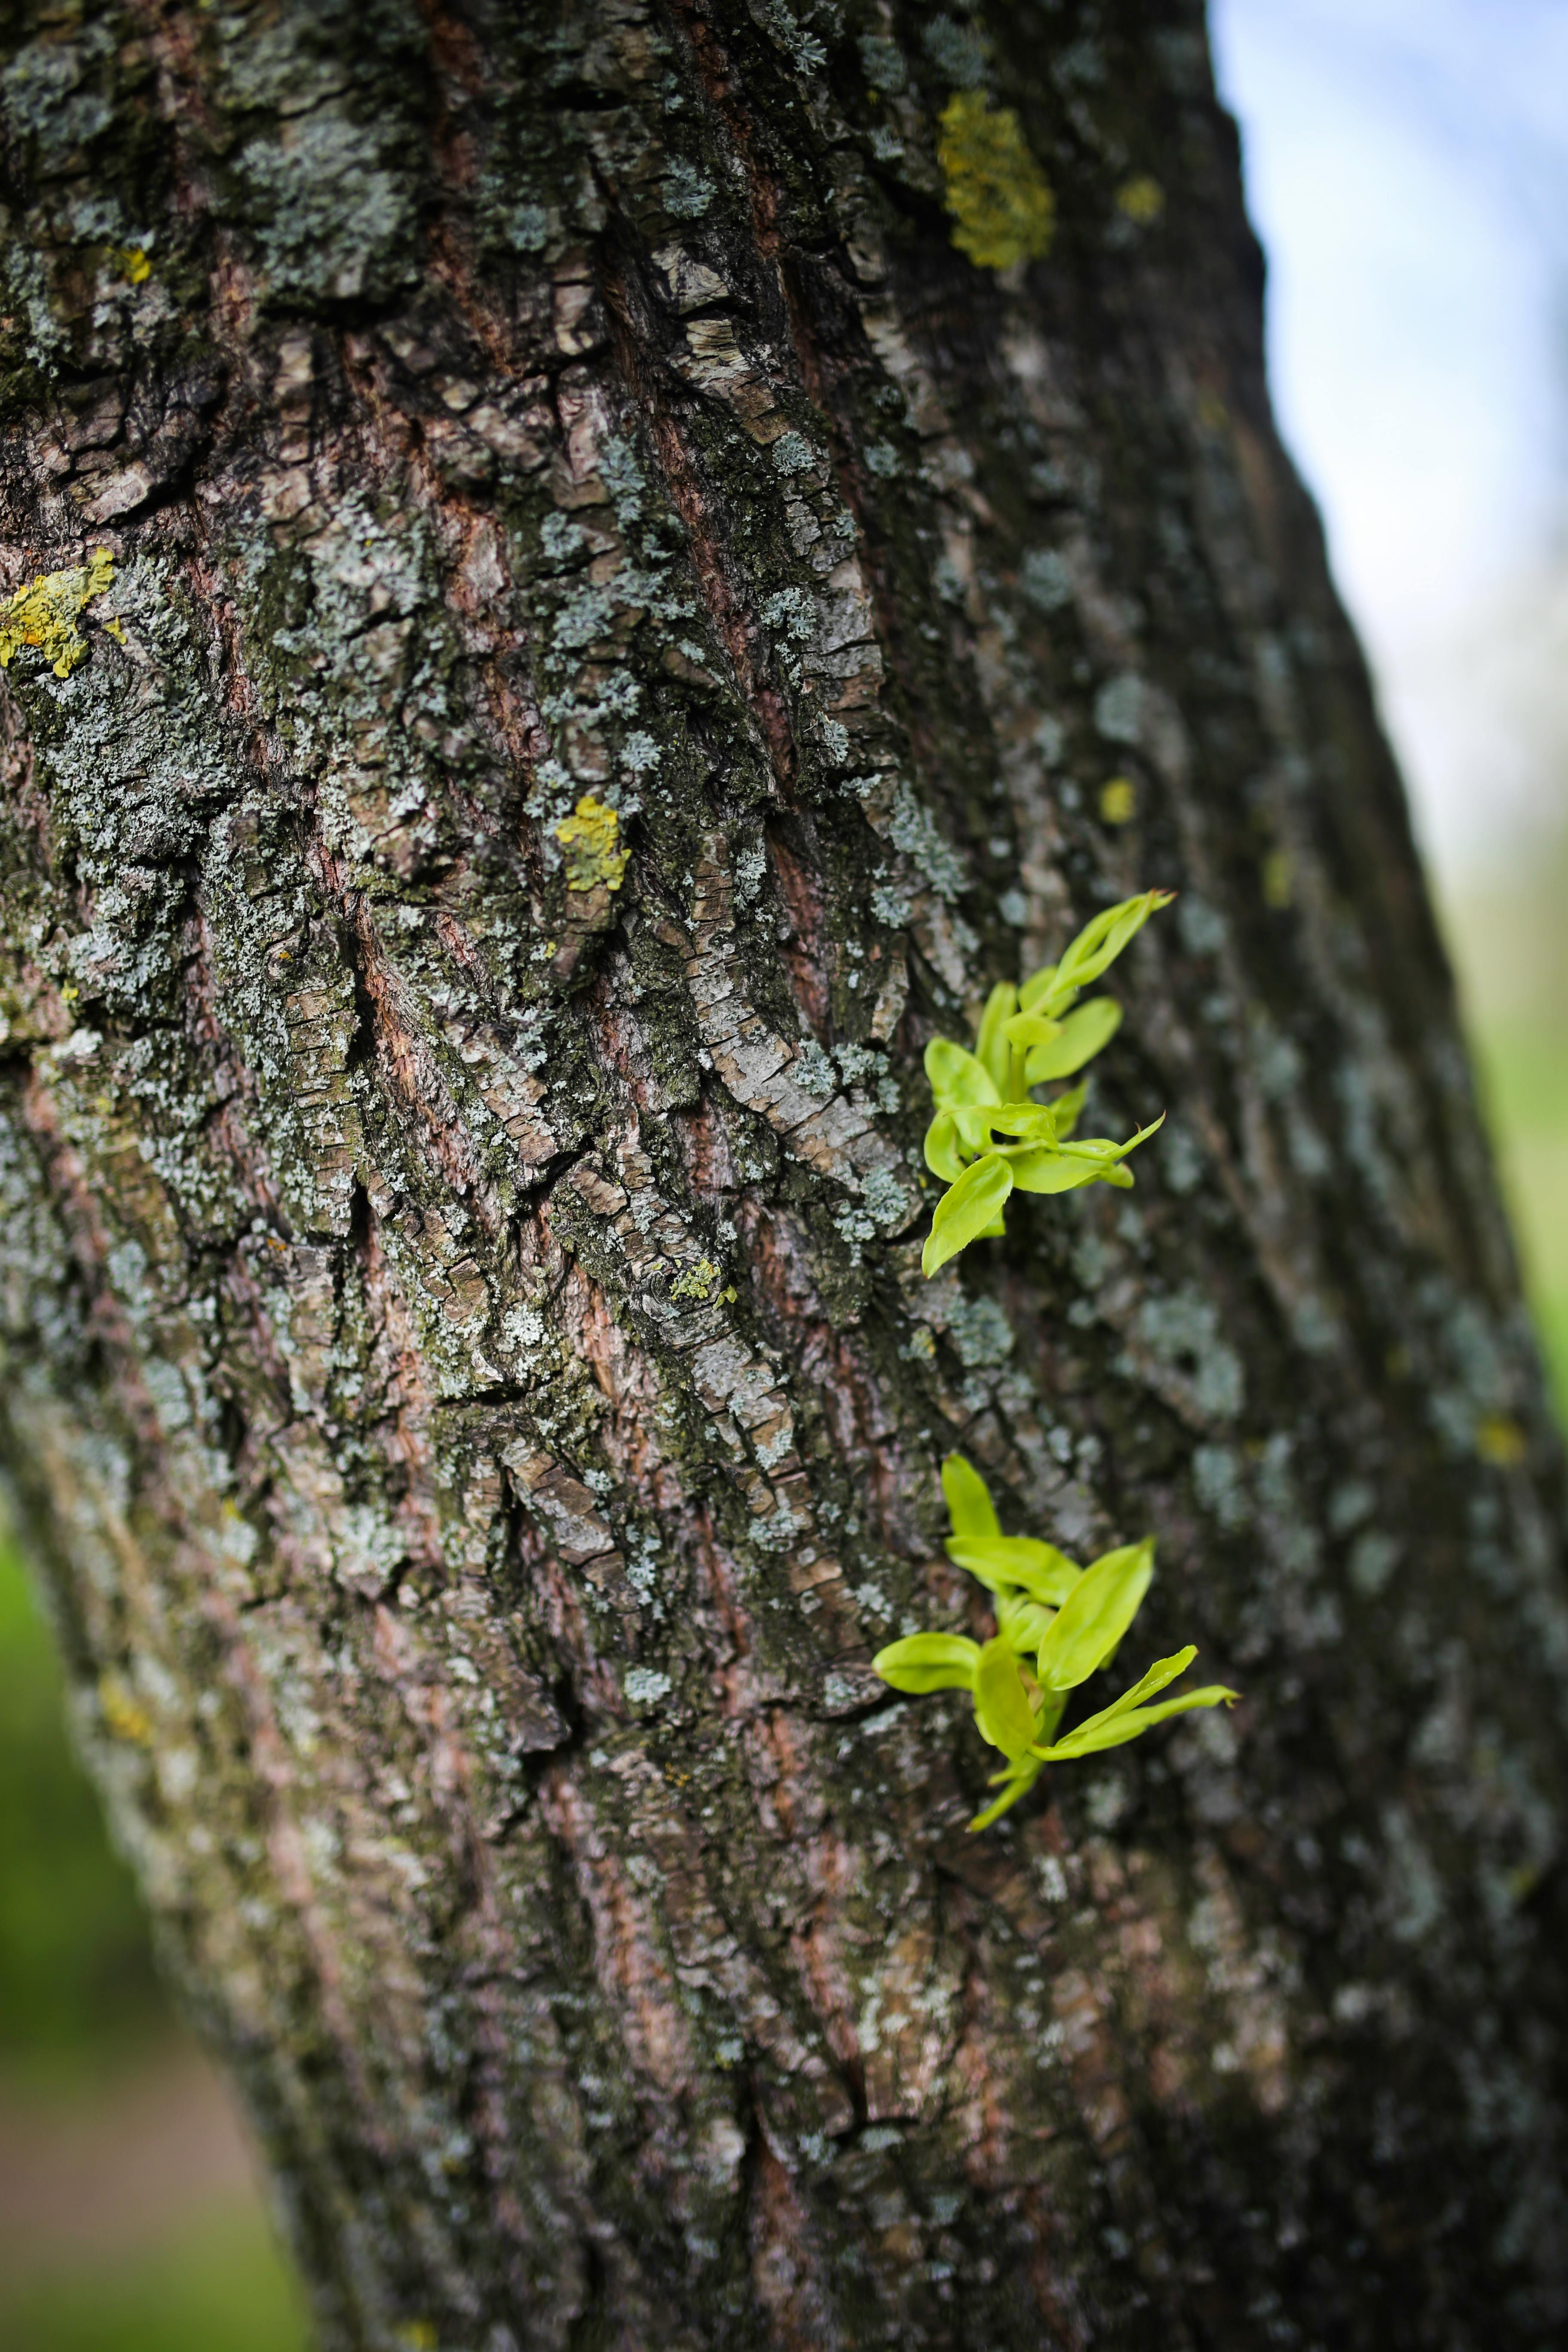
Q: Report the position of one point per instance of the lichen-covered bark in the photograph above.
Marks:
(621, 632)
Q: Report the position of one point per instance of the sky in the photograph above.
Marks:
(1406, 165)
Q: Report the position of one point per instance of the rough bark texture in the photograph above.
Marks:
(467, 1366)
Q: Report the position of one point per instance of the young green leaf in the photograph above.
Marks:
(1018, 1782)
(1079, 1038)
(957, 1079)
(1001, 1709)
(1065, 1111)
(990, 1046)
(968, 1499)
(953, 1138)
(1063, 1167)
(974, 1127)
(1017, 1562)
(941, 1147)
(1030, 1122)
(1052, 1703)
(968, 1211)
(1101, 1148)
(1099, 943)
(1095, 1616)
(1081, 957)
(1035, 987)
(1115, 1730)
(1096, 1163)
(1163, 1670)
(1045, 1169)
(1021, 1621)
(928, 1661)
(1032, 1029)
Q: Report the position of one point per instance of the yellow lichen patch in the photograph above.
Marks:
(1278, 879)
(1520, 1884)
(1501, 1440)
(996, 193)
(1141, 200)
(46, 612)
(123, 1718)
(1118, 800)
(132, 264)
(697, 1282)
(592, 840)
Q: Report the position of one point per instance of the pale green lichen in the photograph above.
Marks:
(331, 209)
(998, 196)
(44, 615)
(958, 50)
(591, 838)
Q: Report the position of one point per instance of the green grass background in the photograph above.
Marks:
(215, 2283)
(81, 2009)
(77, 1995)
(1510, 945)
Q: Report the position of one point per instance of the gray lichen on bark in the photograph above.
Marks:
(623, 633)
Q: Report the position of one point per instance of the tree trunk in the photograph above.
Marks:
(619, 631)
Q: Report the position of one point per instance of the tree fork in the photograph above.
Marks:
(616, 630)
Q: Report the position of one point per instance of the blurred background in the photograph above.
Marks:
(1407, 170)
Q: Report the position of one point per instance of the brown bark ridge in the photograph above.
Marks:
(618, 633)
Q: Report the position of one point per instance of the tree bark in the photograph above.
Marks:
(619, 631)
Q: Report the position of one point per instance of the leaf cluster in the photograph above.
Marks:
(1057, 1625)
(1028, 1037)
